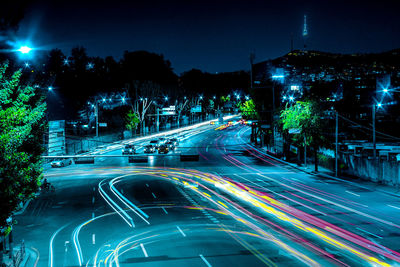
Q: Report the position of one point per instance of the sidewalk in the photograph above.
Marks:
(25, 257)
(325, 173)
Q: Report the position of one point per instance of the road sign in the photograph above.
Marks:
(294, 131)
(196, 109)
(168, 110)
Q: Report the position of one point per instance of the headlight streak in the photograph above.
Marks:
(314, 231)
(375, 247)
(127, 203)
(272, 238)
(51, 244)
(260, 200)
(115, 206)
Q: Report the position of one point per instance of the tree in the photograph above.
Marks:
(22, 111)
(306, 119)
(180, 106)
(132, 121)
(145, 94)
(248, 109)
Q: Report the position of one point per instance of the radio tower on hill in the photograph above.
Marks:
(305, 31)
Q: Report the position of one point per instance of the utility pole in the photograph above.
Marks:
(305, 152)
(336, 144)
(373, 130)
(97, 118)
(158, 120)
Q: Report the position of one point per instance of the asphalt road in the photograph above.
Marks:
(234, 207)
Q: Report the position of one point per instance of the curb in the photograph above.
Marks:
(322, 174)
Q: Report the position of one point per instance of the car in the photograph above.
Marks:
(162, 140)
(170, 145)
(155, 143)
(149, 149)
(174, 141)
(128, 150)
(60, 162)
(163, 149)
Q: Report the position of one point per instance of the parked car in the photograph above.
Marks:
(149, 149)
(155, 143)
(60, 162)
(163, 149)
(128, 150)
(170, 145)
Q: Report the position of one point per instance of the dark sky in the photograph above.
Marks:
(214, 36)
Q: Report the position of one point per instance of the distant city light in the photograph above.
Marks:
(385, 90)
(278, 76)
(90, 65)
(104, 100)
(379, 105)
(214, 97)
(26, 65)
(66, 62)
(24, 49)
(294, 87)
(50, 88)
(141, 99)
(247, 97)
(123, 99)
(291, 98)
(166, 98)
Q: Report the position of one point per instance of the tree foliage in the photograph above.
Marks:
(132, 120)
(306, 118)
(248, 109)
(22, 112)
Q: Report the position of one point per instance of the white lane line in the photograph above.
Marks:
(92, 215)
(166, 212)
(93, 200)
(394, 207)
(153, 195)
(93, 239)
(369, 233)
(352, 193)
(205, 261)
(144, 250)
(180, 230)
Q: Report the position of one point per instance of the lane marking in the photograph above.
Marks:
(180, 230)
(153, 195)
(93, 239)
(352, 193)
(92, 215)
(394, 207)
(144, 250)
(205, 261)
(165, 211)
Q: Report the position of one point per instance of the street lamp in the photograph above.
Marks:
(24, 49)
(50, 88)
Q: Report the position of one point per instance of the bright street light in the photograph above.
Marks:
(24, 49)
(166, 98)
(50, 88)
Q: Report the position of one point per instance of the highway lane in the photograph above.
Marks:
(250, 228)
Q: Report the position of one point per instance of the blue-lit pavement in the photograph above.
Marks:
(235, 207)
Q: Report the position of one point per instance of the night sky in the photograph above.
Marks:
(214, 36)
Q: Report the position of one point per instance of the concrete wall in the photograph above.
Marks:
(383, 171)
